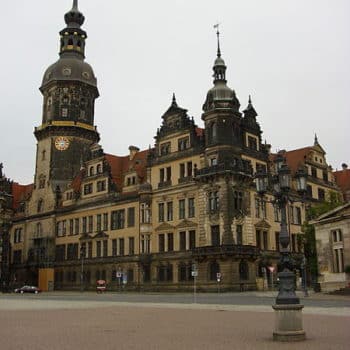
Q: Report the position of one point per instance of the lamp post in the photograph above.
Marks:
(82, 256)
(287, 307)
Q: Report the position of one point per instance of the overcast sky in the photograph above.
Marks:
(292, 56)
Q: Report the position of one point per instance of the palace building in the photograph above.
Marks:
(154, 219)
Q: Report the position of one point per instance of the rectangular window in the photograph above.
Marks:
(183, 143)
(89, 249)
(161, 175)
(84, 224)
(182, 244)
(169, 211)
(98, 222)
(118, 219)
(258, 238)
(64, 112)
(170, 242)
(91, 223)
(189, 169)
(297, 215)
(71, 227)
(114, 247)
(105, 248)
(291, 214)
(161, 212)
(87, 188)
(98, 249)
(191, 208)
(238, 200)
(265, 240)
(121, 246)
(131, 217)
(277, 213)
(181, 209)
(321, 194)
(145, 244)
(101, 186)
(192, 237)
(131, 245)
(105, 221)
(64, 227)
(76, 224)
(252, 143)
(239, 232)
(309, 191)
(213, 201)
(161, 242)
(168, 173)
(215, 235)
(182, 170)
(165, 148)
(314, 172)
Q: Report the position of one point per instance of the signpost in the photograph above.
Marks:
(271, 269)
(194, 273)
(218, 280)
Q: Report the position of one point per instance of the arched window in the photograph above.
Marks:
(43, 155)
(79, 43)
(99, 169)
(214, 269)
(70, 42)
(92, 171)
(243, 270)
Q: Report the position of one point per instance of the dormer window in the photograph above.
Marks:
(165, 148)
(88, 189)
(183, 143)
(252, 143)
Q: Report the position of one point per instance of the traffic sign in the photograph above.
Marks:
(119, 274)
(194, 273)
(218, 275)
(271, 268)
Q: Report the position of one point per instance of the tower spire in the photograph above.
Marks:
(75, 5)
(216, 26)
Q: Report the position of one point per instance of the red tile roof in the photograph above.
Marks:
(342, 178)
(20, 193)
(294, 158)
(120, 165)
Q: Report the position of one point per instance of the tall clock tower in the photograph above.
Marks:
(69, 89)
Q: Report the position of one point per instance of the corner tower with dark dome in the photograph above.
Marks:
(69, 88)
(221, 116)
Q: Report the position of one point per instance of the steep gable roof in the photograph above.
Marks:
(20, 193)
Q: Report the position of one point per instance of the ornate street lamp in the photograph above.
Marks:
(287, 308)
(82, 256)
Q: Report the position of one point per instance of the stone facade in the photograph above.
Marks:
(150, 219)
(333, 248)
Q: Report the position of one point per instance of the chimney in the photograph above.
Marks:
(133, 150)
(344, 166)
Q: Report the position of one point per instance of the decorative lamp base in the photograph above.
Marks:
(288, 323)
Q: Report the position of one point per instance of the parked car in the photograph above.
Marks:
(28, 289)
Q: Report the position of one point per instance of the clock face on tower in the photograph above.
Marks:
(61, 143)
